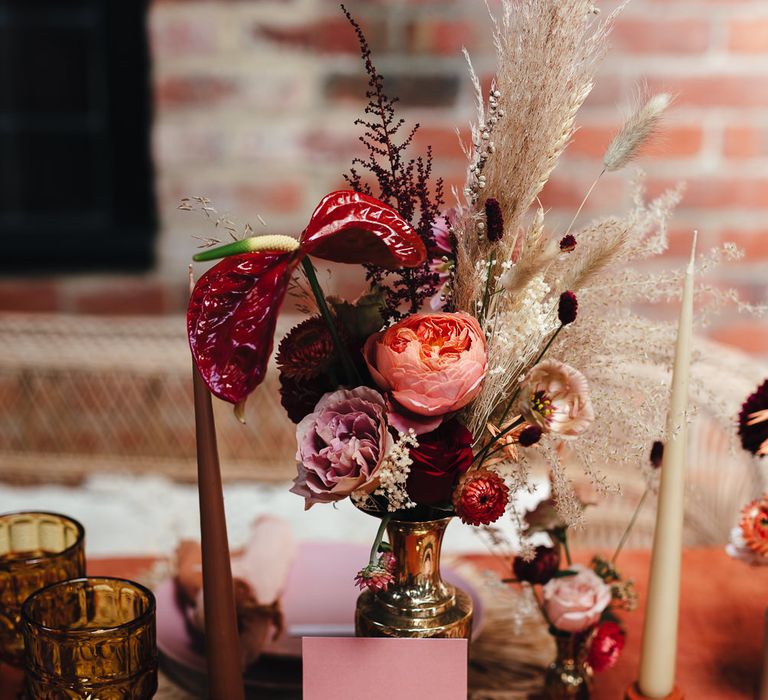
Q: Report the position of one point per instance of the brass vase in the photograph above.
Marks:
(569, 677)
(419, 603)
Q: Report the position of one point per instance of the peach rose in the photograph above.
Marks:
(432, 363)
(575, 603)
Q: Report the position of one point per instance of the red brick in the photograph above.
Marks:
(414, 90)
(718, 192)
(681, 238)
(440, 37)
(119, 296)
(28, 295)
(751, 336)
(566, 192)
(181, 35)
(193, 90)
(277, 197)
(670, 142)
(670, 36)
(715, 90)
(745, 142)
(748, 36)
(326, 35)
(444, 142)
(753, 242)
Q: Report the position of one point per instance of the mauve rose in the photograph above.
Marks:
(432, 364)
(341, 445)
(575, 603)
(441, 457)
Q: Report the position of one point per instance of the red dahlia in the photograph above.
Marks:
(753, 422)
(541, 569)
(606, 646)
(307, 350)
(480, 497)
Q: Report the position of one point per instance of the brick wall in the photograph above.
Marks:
(255, 100)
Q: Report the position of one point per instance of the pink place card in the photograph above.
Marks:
(347, 668)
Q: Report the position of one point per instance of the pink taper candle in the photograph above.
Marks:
(659, 648)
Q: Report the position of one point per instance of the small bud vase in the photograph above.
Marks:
(569, 677)
(419, 603)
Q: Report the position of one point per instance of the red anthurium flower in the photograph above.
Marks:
(233, 309)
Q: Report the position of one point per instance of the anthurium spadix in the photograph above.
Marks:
(233, 308)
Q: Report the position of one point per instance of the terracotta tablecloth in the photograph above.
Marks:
(722, 609)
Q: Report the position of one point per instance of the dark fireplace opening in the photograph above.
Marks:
(76, 185)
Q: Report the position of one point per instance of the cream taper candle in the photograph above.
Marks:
(659, 648)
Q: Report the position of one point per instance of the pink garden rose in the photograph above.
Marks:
(575, 603)
(432, 364)
(341, 445)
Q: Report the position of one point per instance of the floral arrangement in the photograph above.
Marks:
(749, 539)
(577, 601)
(487, 339)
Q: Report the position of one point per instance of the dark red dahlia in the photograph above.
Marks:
(540, 569)
(568, 243)
(300, 396)
(606, 646)
(753, 422)
(480, 497)
(494, 221)
(307, 350)
(567, 308)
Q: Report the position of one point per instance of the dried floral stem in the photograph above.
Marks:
(629, 527)
(533, 364)
(584, 201)
(379, 537)
(484, 453)
(352, 375)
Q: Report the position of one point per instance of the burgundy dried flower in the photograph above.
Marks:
(753, 422)
(568, 243)
(606, 646)
(307, 350)
(374, 577)
(530, 435)
(657, 454)
(541, 568)
(494, 221)
(567, 308)
(480, 497)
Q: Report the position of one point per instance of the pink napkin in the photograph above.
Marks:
(341, 668)
(259, 572)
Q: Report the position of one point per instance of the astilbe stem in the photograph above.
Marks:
(402, 183)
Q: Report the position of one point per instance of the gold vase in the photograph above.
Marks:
(419, 603)
(569, 677)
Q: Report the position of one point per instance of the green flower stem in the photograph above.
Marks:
(564, 540)
(631, 524)
(353, 378)
(379, 537)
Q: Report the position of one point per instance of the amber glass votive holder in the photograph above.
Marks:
(90, 638)
(36, 550)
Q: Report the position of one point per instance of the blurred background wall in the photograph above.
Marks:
(253, 102)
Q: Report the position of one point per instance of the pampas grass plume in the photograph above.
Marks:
(641, 125)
